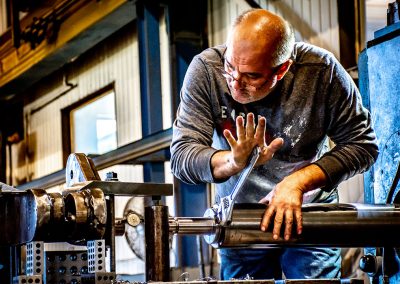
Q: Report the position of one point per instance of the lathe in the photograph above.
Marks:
(84, 214)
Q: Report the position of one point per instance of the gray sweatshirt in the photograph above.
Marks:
(316, 99)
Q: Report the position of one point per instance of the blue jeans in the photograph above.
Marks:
(294, 263)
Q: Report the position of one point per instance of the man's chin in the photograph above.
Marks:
(246, 97)
(242, 97)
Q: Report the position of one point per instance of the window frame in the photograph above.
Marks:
(66, 123)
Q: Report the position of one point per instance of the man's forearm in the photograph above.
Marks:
(222, 165)
(309, 178)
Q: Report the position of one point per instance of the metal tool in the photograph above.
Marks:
(223, 212)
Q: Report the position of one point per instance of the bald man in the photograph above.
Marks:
(263, 89)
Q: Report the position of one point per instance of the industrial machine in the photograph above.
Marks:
(378, 65)
(83, 214)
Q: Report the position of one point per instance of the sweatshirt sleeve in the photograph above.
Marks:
(193, 128)
(350, 128)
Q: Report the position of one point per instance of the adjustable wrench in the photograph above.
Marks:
(225, 207)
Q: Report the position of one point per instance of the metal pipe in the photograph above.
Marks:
(192, 225)
(157, 243)
(341, 225)
(323, 225)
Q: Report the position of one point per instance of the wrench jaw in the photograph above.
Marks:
(214, 238)
(225, 207)
(222, 213)
(222, 216)
(225, 211)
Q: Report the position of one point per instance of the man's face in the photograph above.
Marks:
(248, 73)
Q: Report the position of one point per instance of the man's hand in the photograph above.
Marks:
(286, 199)
(285, 204)
(228, 163)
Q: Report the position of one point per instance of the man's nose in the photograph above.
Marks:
(236, 75)
(236, 80)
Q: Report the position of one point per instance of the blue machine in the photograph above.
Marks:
(379, 69)
(379, 82)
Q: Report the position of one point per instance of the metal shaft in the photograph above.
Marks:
(192, 225)
(336, 226)
(343, 225)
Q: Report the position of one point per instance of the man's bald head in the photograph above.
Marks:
(263, 33)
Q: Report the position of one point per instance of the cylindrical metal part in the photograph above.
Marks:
(18, 217)
(57, 210)
(77, 207)
(341, 225)
(50, 214)
(323, 225)
(157, 243)
(44, 207)
(192, 225)
(86, 214)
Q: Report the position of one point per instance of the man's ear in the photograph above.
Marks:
(283, 69)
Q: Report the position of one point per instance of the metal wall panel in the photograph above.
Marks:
(221, 15)
(314, 21)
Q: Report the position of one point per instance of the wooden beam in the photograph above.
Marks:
(79, 31)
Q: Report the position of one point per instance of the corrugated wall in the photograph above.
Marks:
(314, 21)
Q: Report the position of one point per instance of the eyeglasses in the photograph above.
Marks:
(246, 80)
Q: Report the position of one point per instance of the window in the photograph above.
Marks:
(3, 16)
(91, 125)
(6, 13)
